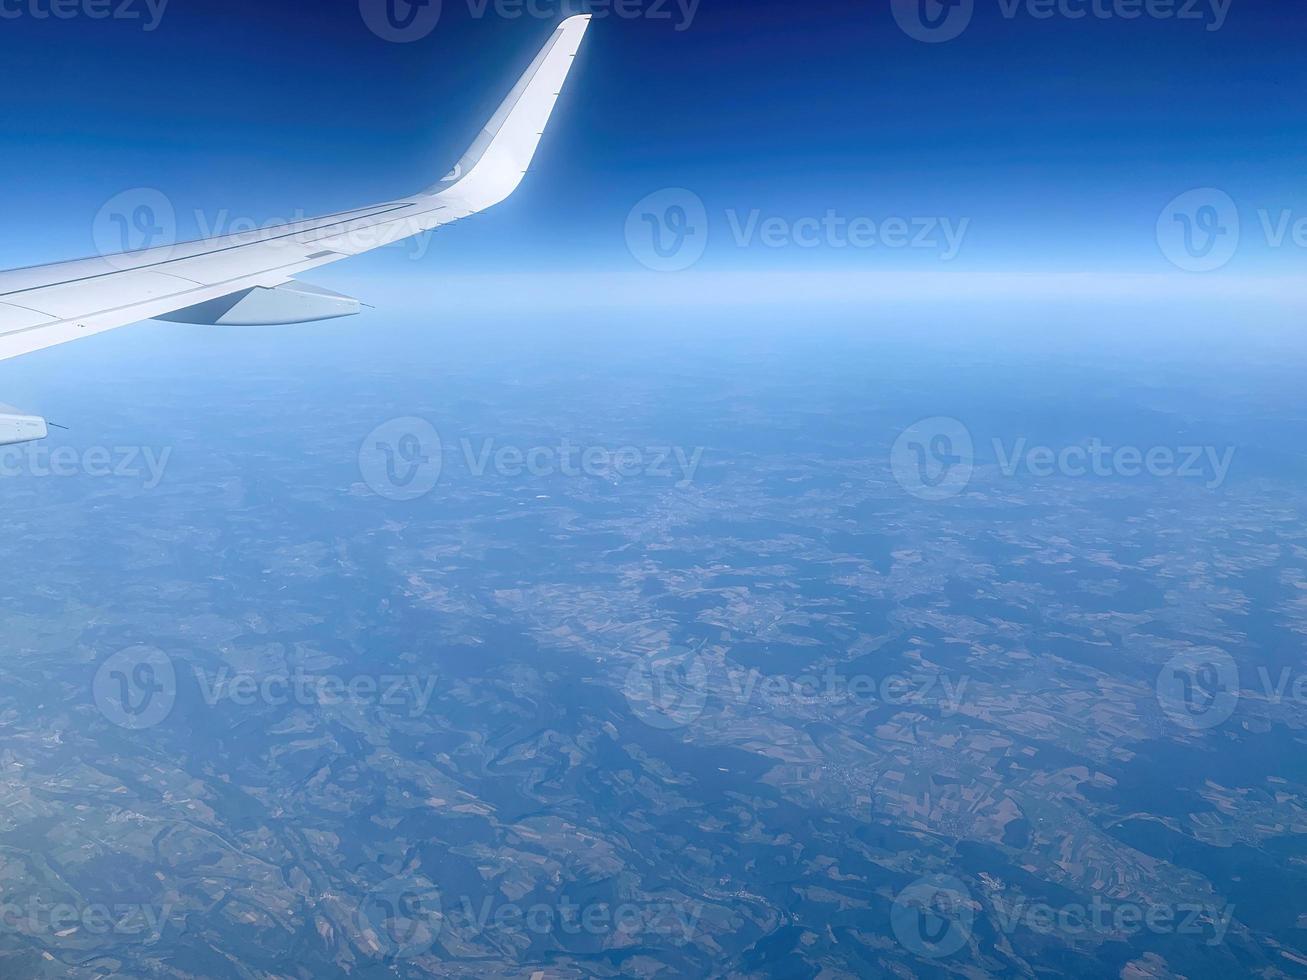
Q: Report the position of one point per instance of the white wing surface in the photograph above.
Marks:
(247, 278)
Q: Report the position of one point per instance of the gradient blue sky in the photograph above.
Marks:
(1060, 140)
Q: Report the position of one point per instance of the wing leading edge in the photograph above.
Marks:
(45, 306)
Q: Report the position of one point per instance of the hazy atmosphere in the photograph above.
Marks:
(841, 516)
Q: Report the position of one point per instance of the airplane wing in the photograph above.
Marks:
(247, 278)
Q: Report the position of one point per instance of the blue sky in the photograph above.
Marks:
(1059, 142)
(1048, 143)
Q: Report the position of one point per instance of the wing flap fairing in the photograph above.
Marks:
(291, 302)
